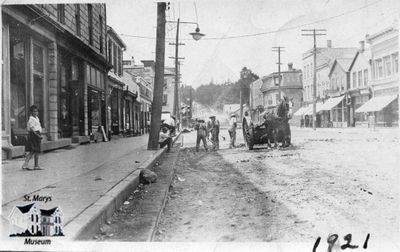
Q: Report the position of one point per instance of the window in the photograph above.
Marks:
(115, 58)
(18, 58)
(388, 65)
(78, 19)
(354, 79)
(342, 83)
(165, 100)
(119, 61)
(378, 68)
(90, 23)
(360, 79)
(110, 51)
(61, 13)
(365, 77)
(395, 58)
(101, 33)
(38, 78)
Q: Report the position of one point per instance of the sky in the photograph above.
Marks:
(226, 49)
(218, 60)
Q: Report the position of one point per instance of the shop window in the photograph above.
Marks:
(95, 108)
(92, 76)
(74, 70)
(18, 80)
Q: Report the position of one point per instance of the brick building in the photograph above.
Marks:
(54, 56)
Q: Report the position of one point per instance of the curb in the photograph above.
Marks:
(165, 199)
(85, 225)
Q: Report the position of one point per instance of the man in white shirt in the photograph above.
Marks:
(232, 130)
(165, 139)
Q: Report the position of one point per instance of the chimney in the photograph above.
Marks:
(329, 43)
(362, 46)
(290, 66)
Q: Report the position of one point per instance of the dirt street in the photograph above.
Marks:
(329, 182)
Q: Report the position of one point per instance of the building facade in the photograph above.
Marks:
(291, 87)
(338, 115)
(324, 90)
(383, 107)
(54, 56)
(124, 106)
(360, 88)
(169, 90)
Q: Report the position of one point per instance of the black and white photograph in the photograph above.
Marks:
(200, 125)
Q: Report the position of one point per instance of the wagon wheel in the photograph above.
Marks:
(248, 134)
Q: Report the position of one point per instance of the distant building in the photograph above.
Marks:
(324, 87)
(144, 77)
(383, 107)
(291, 87)
(338, 115)
(360, 85)
(168, 101)
(124, 104)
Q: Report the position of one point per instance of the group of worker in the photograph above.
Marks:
(212, 128)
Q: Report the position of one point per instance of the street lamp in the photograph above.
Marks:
(197, 35)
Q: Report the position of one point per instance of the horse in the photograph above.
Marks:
(278, 128)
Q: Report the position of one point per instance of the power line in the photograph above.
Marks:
(273, 31)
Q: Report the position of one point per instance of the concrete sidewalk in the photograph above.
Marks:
(85, 181)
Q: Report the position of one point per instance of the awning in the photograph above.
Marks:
(300, 111)
(309, 110)
(376, 103)
(331, 103)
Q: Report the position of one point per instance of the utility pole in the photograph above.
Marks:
(158, 79)
(241, 103)
(279, 50)
(176, 106)
(313, 32)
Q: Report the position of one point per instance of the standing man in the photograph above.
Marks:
(213, 128)
(201, 128)
(232, 130)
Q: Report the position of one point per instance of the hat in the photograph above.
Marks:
(213, 116)
(233, 115)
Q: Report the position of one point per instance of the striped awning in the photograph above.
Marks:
(376, 103)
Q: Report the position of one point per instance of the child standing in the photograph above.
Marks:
(34, 138)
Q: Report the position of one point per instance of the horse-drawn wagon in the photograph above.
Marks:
(274, 128)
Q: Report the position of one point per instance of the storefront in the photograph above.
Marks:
(381, 110)
(358, 98)
(96, 98)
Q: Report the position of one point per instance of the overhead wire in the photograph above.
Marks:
(273, 31)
